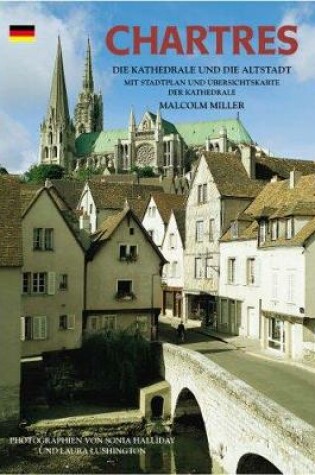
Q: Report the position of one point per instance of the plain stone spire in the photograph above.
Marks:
(88, 82)
(58, 108)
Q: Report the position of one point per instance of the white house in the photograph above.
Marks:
(173, 271)
(240, 289)
(220, 190)
(283, 259)
(157, 214)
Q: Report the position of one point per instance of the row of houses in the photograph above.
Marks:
(237, 252)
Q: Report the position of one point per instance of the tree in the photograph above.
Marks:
(39, 173)
(3, 171)
(144, 172)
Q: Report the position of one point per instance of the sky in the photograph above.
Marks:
(279, 119)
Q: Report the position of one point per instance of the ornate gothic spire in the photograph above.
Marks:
(88, 83)
(58, 103)
(132, 120)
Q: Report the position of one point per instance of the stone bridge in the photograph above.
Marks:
(244, 429)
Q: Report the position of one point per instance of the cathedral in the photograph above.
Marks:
(153, 142)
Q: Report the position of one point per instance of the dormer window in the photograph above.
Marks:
(262, 232)
(289, 228)
(274, 230)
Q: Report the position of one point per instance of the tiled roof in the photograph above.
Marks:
(27, 193)
(278, 195)
(298, 240)
(230, 176)
(69, 190)
(193, 133)
(167, 202)
(114, 195)
(266, 167)
(109, 226)
(180, 216)
(167, 183)
(10, 223)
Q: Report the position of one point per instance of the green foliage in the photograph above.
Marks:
(84, 174)
(116, 364)
(38, 173)
(144, 172)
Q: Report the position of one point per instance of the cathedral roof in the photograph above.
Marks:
(193, 133)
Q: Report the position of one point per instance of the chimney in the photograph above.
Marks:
(248, 160)
(295, 175)
(274, 179)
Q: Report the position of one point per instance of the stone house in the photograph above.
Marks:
(100, 200)
(10, 307)
(123, 277)
(173, 272)
(53, 276)
(283, 233)
(157, 214)
(221, 189)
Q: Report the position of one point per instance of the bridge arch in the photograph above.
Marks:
(256, 464)
(243, 427)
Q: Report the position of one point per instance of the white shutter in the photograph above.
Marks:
(257, 271)
(51, 288)
(39, 328)
(22, 328)
(71, 322)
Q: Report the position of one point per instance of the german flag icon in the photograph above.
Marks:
(22, 33)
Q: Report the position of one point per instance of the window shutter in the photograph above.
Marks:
(71, 322)
(51, 290)
(257, 271)
(22, 328)
(36, 328)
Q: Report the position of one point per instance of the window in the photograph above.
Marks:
(262, 232)
(39, 281)
(63, 284)
(172, 241)
(43, 239)
(202, 193)
(198, 268)
(289, 228)
(274, 285)
(66, 322)
(91, 209)
(211, 229)
(274, 230)
(174, 267)
(250, 271)
(128, 252)
(199, 231)
(34, 328)
(152, 211)
(131, 231)
(26, 286)
(108, 322)
(231, 270)
(93, 323)
(209, 273)
(124, 289)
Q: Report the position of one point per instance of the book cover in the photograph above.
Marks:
(157, 181)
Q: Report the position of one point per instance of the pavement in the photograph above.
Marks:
(290, 386)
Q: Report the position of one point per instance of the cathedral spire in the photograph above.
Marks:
(159, 119)
(88, 83)
(132, 120)
(58, 103)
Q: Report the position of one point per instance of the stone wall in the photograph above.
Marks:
(238, 419)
